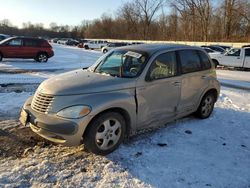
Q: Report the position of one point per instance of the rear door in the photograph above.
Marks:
(31, 47)
(13, 48)
(194, 78)
(158, 97)
(246, 63)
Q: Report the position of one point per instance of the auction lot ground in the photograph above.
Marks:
(187, 153)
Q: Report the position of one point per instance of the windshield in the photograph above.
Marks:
(122, 63)
(3, 41)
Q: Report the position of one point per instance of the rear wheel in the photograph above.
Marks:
(105, 133)
(42, 57)
(105, 51)
(206, 106)
(216, 63)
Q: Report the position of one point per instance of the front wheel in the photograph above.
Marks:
(105, 133)
(206, 106)
(42, 57)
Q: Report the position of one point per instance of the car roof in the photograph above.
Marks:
(150, 49)
(22, 37)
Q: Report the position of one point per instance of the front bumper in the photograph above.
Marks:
(53, 128)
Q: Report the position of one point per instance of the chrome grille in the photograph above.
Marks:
(42, 102)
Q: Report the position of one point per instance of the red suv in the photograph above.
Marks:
(27, 48)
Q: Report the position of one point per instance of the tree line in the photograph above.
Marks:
(168, 20)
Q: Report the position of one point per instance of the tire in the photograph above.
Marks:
(105, 51)
(216, 63)
(42, 57)
(86, 47)
(105, 133)
(206, 106)
(1, 57)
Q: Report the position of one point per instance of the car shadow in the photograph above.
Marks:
(191, 152)
(18, 60)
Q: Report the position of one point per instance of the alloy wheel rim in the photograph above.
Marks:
(207, 106)
(108, 134)
(42, 58)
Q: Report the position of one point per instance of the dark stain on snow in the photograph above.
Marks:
(138, 154)
(162, 144)
(188, 132)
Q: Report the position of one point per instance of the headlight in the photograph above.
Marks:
(74, 112)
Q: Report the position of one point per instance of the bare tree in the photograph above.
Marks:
(141, 13)
(198, 15)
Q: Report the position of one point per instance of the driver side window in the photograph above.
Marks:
(164, 66)
(234, 52)
(15, 42)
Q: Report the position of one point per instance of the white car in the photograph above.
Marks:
(110, 46)
(95, 44)
(235, 57)
(212, 53)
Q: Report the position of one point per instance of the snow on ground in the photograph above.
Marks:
(234, 75)
(188, 153)
(65, 58)
(24, 78)
(237, 79)
(11, 103)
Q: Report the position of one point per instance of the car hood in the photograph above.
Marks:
(83, 82)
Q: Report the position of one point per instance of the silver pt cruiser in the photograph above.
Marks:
(126, 90)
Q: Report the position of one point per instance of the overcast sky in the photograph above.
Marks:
(70, 12)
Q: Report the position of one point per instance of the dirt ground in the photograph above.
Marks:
(17, 140)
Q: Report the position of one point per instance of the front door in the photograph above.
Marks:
(13, 48)
(233, 58)
(158, 97)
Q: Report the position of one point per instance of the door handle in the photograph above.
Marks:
(204, 77)
(142, 88)
(176, 83)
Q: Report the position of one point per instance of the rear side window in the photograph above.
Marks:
(247, 52)
(205, 62)
(164, 66)
(31, 43)
(190, 61)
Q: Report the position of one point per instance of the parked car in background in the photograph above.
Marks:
(236, 57)
(2, 37)
(81, 43)
(55, 40)
(128, 89)
(226, 48)
(110, 46)
(211, 52)
(63, 41)
(95, 44)
(27, 48)
(72, 42)
(215, 48)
